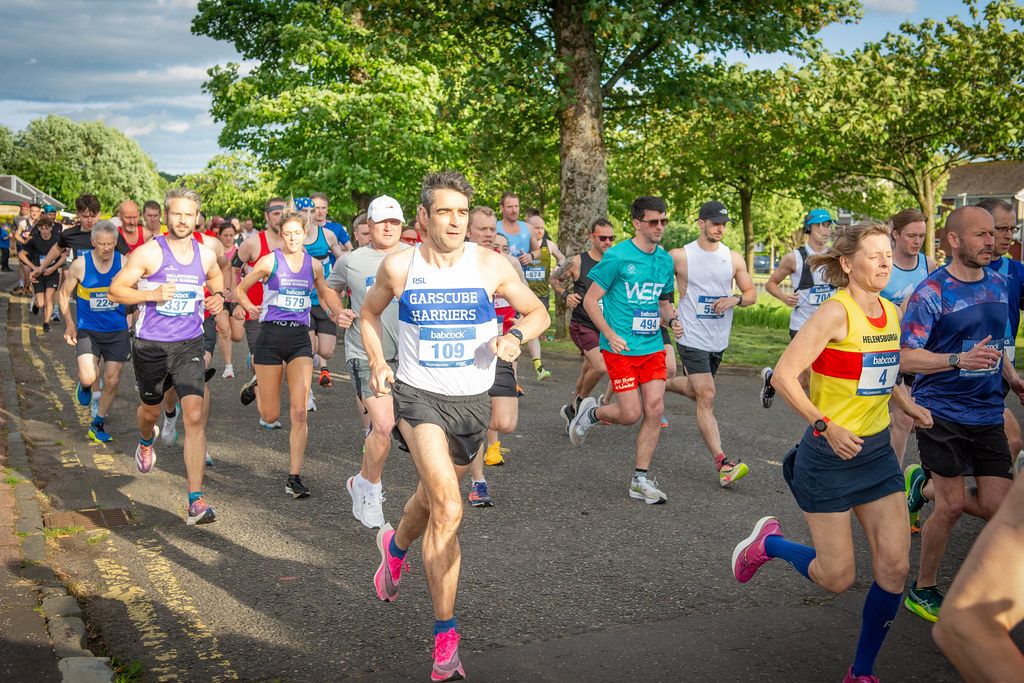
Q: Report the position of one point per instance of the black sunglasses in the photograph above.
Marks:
(603, 238)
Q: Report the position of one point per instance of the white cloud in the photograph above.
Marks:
(891, 6)
(177, 127)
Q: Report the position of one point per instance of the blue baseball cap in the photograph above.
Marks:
(816, 216)
(303, 203)
(49, 208)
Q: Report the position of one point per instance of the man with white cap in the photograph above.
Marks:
(357, 273)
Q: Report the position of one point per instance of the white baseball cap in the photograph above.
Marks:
(385, 208)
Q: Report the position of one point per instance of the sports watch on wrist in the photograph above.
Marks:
(953, 360)
(820, 426)
(516, 333)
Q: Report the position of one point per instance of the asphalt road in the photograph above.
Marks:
(566, 578)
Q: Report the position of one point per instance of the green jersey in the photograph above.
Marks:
(634, 281)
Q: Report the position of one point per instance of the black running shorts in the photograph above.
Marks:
(464, 419)
(698, 361)
(252, 331)
(504, 381)
(949, 449)
(278, 344)
(179, 364)
(209, 334)
(113, 347)
(321, 323)
(45, 282)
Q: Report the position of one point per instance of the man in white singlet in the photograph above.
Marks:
(705, 272)
(448, 345)
(810, 290)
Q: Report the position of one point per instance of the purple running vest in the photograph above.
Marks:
(181, 318)
(286, 293)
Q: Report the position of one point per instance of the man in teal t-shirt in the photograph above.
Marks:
(629, 301)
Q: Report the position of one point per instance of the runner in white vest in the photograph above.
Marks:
(810, 290)
(448, 344)
(705, 271)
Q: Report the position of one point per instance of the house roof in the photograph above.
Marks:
(986, 178)
(15, 190)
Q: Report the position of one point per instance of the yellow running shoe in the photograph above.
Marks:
(731, 472)
(493, 454)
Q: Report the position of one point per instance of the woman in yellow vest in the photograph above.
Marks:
(845, 462)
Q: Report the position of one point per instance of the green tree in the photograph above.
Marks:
(915, 105)
(532, 67)
(6, 148)
(231, 184)
(65, 158)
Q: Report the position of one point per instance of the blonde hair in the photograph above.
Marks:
(291, 215)
(846, 240)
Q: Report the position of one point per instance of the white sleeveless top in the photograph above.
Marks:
(446, 321)
(809, 299)
(709, 277)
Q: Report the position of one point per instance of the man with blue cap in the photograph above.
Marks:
(809, 288)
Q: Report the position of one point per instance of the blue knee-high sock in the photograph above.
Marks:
(880, 608)
(798, 555)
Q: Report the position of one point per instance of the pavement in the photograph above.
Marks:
(566, 578)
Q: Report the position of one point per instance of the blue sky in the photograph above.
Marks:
(135, 65)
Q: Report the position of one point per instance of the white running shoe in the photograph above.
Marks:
(229, 372)
(169, 432)
(310, 403)
(358, 495)
(646, 489)
(1018, 465)
(581, 421)
(373, 508)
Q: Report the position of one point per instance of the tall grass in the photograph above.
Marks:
(767, 313)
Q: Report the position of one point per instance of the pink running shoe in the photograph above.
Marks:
(145, 456)
(850, 678)
(750, 554)
(388, 574)
(447, 665)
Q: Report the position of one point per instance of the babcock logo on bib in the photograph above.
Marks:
(886, 359)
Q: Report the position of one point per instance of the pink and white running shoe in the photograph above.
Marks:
(388, 574)
(750, 554)
(447, 665)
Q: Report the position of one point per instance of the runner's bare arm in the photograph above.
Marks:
(592, 305)
(556, 252)
(388, 284)
(141, 262)
(743, 280)
(563, 275)
(73, 276)
(260, 271)
(679, 265)
(921, 415)
(329, 299)
(333, 245)
(212, 263)
(52, 256)
(787, 266)
(534, 320)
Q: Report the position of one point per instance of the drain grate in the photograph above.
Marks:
(91, 518)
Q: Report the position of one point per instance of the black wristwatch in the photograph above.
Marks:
(517, 334)
(953, 360)
(820, 426)
(220, 294)
(739, 299)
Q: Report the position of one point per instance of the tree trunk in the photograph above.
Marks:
(362, 200)
(926, 200)
(746, 196)
(584, 174)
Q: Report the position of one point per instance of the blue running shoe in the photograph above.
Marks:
(479, 496)
(83, 395)
(97, 432)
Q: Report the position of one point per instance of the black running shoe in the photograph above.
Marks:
(767, 390)
(568, 412)
(46, 327)
(248, 393)
(295, 487)
(33, 308)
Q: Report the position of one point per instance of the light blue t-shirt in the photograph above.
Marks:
(633, 281)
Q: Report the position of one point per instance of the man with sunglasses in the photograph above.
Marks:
(809, 287)
(628, 301)
(582, 331)
(705, 272)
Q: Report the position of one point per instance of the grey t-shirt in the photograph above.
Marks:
(356, 271)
